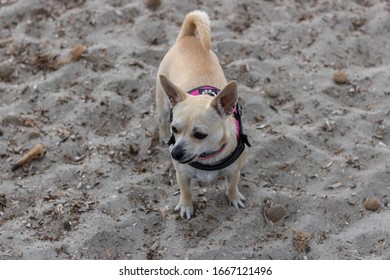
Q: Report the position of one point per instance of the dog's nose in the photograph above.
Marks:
(177, 153)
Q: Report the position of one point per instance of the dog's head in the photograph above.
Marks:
(199, 123)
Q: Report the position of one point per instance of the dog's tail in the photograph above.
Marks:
(197, 21)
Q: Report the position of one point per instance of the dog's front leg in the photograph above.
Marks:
(234, 196)
(185, 204)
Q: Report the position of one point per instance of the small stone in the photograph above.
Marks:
(6, 70)
(153, 4)
(372, 204)
(275, 212)
(271, 91)
(80, 186)
(28, 123)
(340, 77)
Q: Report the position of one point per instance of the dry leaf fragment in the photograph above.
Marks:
(46, 61)
(164, 212)
(336, 185)
(3, 201)
(37, 152)
(76, 52)
(6, 41)
(108, 252)
(154, 246)
(51, 62)
(301, 241)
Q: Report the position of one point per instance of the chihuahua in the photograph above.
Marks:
(204, 122)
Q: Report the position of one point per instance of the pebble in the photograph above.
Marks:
(153, 4)
(6, 70)
(275, 212)
(272, 91)
(340, 77)
(372, 204)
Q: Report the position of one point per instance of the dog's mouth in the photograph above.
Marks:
(184, 161)
(202, 156)
(207, 155)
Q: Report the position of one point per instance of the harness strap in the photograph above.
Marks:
(223, 163)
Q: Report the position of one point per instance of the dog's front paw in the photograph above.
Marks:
(236, 199)
(186, 212)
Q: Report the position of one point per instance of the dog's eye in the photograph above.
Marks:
(200, 135)
(174, 129)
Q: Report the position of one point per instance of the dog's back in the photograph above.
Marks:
(190, 62)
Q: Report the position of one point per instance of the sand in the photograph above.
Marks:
(315, 89)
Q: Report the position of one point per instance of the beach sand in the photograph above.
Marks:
(78, 77)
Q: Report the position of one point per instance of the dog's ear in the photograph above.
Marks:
(224, 102)
(174, 93)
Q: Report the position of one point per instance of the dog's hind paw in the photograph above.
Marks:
(185, 212)
(237, 200)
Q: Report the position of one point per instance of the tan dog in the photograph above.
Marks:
(206, 140)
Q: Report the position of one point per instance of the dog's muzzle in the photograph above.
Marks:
(179, 154)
